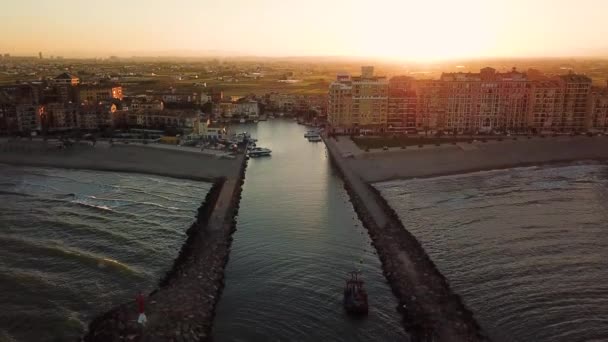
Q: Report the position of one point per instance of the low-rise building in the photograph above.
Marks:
(145, 104)
(247, 108)
(99, 92)
(205, 129)
(162, 119)
(66, 78)
(227, 109)
(179, 97)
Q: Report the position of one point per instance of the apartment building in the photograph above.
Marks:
(359, 103)
(545, 104)
(465, 103)
(339, 111)
(598, 110)
(431, 99)
(96, 116)
(402, 101)
(369, 100)
(61, 116)
(577, 91)
(29, 117)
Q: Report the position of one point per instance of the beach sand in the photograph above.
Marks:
(429, 161)
(119, 158)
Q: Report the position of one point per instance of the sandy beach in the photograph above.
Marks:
(428, 161)
(120, 158)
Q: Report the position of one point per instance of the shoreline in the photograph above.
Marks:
(430, 309)
(556, 163)
(110, 169)
(436, 161)
(183, 306)
(119, 158)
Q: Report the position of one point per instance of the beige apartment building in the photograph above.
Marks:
(370, 100)
(401, 115)
(598, 110)
(577, 91)
(359, 102)
(485, 101)
(545, 104)
(431, 97)
(340, 104)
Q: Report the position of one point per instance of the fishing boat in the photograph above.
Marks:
(355, 296)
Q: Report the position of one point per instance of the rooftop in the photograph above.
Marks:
(66, 76)
(575, 78)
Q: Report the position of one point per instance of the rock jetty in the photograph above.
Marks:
(431, 311)
(182, 308)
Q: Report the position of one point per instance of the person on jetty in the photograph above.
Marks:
(141, 301)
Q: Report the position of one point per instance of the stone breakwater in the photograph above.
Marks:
(431, 311)
(183, 306)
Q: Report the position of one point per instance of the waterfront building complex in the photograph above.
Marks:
(484, 102)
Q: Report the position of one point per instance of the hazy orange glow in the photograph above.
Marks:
(401, 29)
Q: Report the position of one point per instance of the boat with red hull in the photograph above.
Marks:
(355, 296)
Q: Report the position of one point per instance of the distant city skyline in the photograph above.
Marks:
(396, 30)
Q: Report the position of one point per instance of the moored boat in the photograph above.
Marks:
(259, 152)
(311, 133)
(314, 138)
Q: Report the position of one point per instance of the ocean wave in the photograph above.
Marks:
(154, 193)
(128, 202)
(13, 193)
(43, 186)
(92, 206)
(55, 248)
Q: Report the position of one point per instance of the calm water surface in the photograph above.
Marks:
(527, 248)
(297, 237)
(75, 243)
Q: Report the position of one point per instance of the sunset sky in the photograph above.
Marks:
(396, 29)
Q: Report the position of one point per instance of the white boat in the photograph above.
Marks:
(242, 121)
(314, 138)
(311, 133)
(259, 152)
